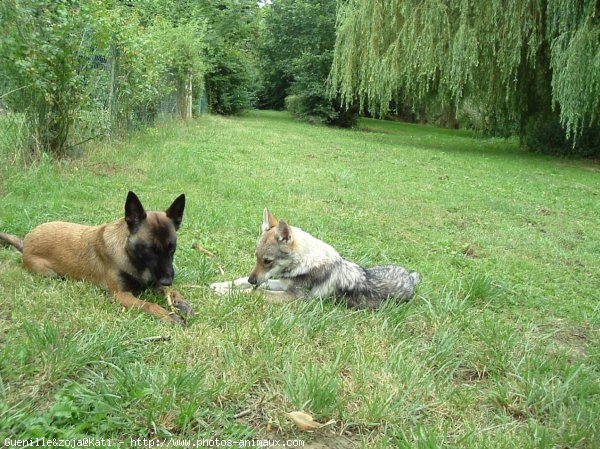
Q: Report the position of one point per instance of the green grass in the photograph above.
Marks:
(13, 134)
(500, 348)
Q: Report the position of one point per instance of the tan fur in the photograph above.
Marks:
(90, 253)
(93, 253)
(269, 238)
(271, 220)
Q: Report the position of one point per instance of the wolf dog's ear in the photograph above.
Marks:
(175, 210)
(269, 220)
(284, 233)
(134, 212)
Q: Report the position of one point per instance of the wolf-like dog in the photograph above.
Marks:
(292, 264)
(125, 256)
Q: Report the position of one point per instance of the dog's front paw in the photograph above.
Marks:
(179, 306)
(184, 308)
(173, 318)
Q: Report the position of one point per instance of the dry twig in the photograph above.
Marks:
(202, 249)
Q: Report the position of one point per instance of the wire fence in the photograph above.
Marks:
(106, 110)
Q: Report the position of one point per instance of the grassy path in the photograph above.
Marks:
(500, 348)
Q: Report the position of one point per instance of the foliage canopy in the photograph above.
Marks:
(515, 58)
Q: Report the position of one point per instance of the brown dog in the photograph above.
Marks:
(125, 256)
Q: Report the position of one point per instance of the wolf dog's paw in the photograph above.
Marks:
(239, 285)
(221, 288)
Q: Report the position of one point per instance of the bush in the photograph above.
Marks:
(296, 50)
(319, 110)
(292, 104)
(42, 65)
(546, 135)
(310, 99)
(230, 84)
(486, 121)
(78, 70)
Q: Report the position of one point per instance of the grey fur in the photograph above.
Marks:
(358, 287)
(310, 268)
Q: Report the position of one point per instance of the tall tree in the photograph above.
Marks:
(231, 80)
(517, 58)
(296, 51)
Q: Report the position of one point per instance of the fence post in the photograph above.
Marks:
(184, 96)
(113, 105)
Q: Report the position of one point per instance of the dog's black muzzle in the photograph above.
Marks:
(165, 281)
(167, 278)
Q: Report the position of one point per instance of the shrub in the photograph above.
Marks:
(42, 65)
(77, 70)
(310, 98)
(230, 83)
(546, 135)
(292, 104)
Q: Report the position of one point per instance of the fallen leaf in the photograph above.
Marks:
(305, 422)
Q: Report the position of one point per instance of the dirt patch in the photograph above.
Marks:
(324, 438)
(318, 440)
(576, 338)
(544, 211)
(332, 442)
(470, 252)
(106, 169)
(471, 375)
(516, 413)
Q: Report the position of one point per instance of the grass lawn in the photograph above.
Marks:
(499, 349)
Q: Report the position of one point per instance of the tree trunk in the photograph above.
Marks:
(184, 97)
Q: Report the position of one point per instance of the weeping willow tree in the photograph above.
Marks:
(516, 58)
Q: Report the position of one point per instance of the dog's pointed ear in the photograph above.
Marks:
(269, 220)
(175, 210)
(134, 212)
(284, 232)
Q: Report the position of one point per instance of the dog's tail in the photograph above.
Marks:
(12, 240)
